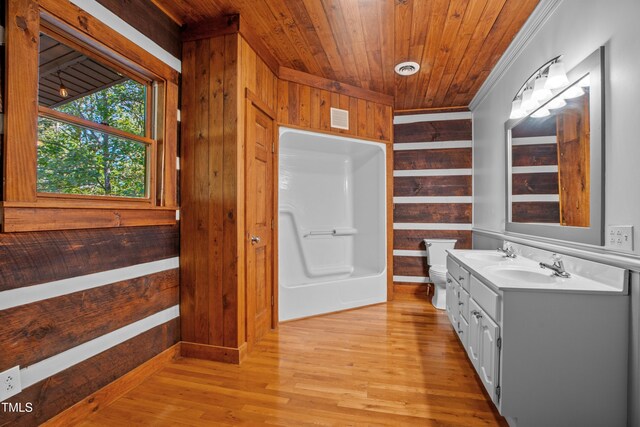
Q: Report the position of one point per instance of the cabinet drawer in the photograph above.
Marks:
(458, 273)
(463, 278)
(487, 299)
(463, 303)
(453, 268)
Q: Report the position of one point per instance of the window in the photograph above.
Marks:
(93, 126)
(90, 124)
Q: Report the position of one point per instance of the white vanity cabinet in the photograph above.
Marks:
(478, 332)
(547, 357)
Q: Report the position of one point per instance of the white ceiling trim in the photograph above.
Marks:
(110, 19)
(538, 17)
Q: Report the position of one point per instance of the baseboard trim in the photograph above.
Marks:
(113, 390)
(412, 289)
(213, 352)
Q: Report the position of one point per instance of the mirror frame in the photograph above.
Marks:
(594, 234)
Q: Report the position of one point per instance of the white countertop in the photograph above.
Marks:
(491, 266)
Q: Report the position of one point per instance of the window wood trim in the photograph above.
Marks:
(23, 208)
(78, 121)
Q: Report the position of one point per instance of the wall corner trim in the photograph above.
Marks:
(540, 14)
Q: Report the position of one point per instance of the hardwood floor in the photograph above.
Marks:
(390, 364)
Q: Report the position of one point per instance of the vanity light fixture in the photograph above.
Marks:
(541, 86)
(528, 103)
(556, 103)
(542, 112)
(516, 109)
(540, 92)
(557, 76)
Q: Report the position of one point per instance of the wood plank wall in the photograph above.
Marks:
(432, 189)
(34, 264)
(534, 179)
(47, 326)
(217, 71)
(308, 107)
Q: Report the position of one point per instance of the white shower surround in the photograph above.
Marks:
(332, 239)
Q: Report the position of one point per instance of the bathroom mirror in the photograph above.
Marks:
(555, 158)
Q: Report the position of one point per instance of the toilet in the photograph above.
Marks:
(437, 261)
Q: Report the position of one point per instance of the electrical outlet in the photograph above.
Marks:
(620, 237)
(10, 383)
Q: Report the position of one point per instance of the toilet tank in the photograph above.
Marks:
(436, 250)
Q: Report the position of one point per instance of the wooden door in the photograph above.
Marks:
(259, 222)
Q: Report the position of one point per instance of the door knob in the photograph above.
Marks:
(255, 239)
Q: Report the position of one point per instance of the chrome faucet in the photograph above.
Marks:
(507, 250)
(557, 267)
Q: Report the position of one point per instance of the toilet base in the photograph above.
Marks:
(439, 299)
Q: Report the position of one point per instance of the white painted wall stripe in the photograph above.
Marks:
(405, 146)
(30, 294)
(430, 226)
(61, 361)
(434, 199)
(534, 140)
(116, 23)
(411, 279)
(535, 198)
(534, 169)
(405, 252)
(432, 172)
(414, 118)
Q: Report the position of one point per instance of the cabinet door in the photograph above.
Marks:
(473, 338)
(452, 301)
(463, 303)
(463, 331)
(489, 354)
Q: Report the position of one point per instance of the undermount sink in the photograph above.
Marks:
(487, 256)
(522, 274)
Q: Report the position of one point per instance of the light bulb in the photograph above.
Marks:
(557, 77)
(573, 92)
(540, 93)
(555, 103)
(63, 91)
(528, 103)
(542, 112)
(516, 109)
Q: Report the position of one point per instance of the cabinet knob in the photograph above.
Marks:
(460, 277)
(448, 280)
(255, 239)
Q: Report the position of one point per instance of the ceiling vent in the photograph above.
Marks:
(339, 119)
(407, 68)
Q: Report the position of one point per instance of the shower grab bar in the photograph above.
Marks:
(318, 271)
(340, 231)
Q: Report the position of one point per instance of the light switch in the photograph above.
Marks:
(620, 237)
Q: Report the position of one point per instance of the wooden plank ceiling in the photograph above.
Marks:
(456, 42)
